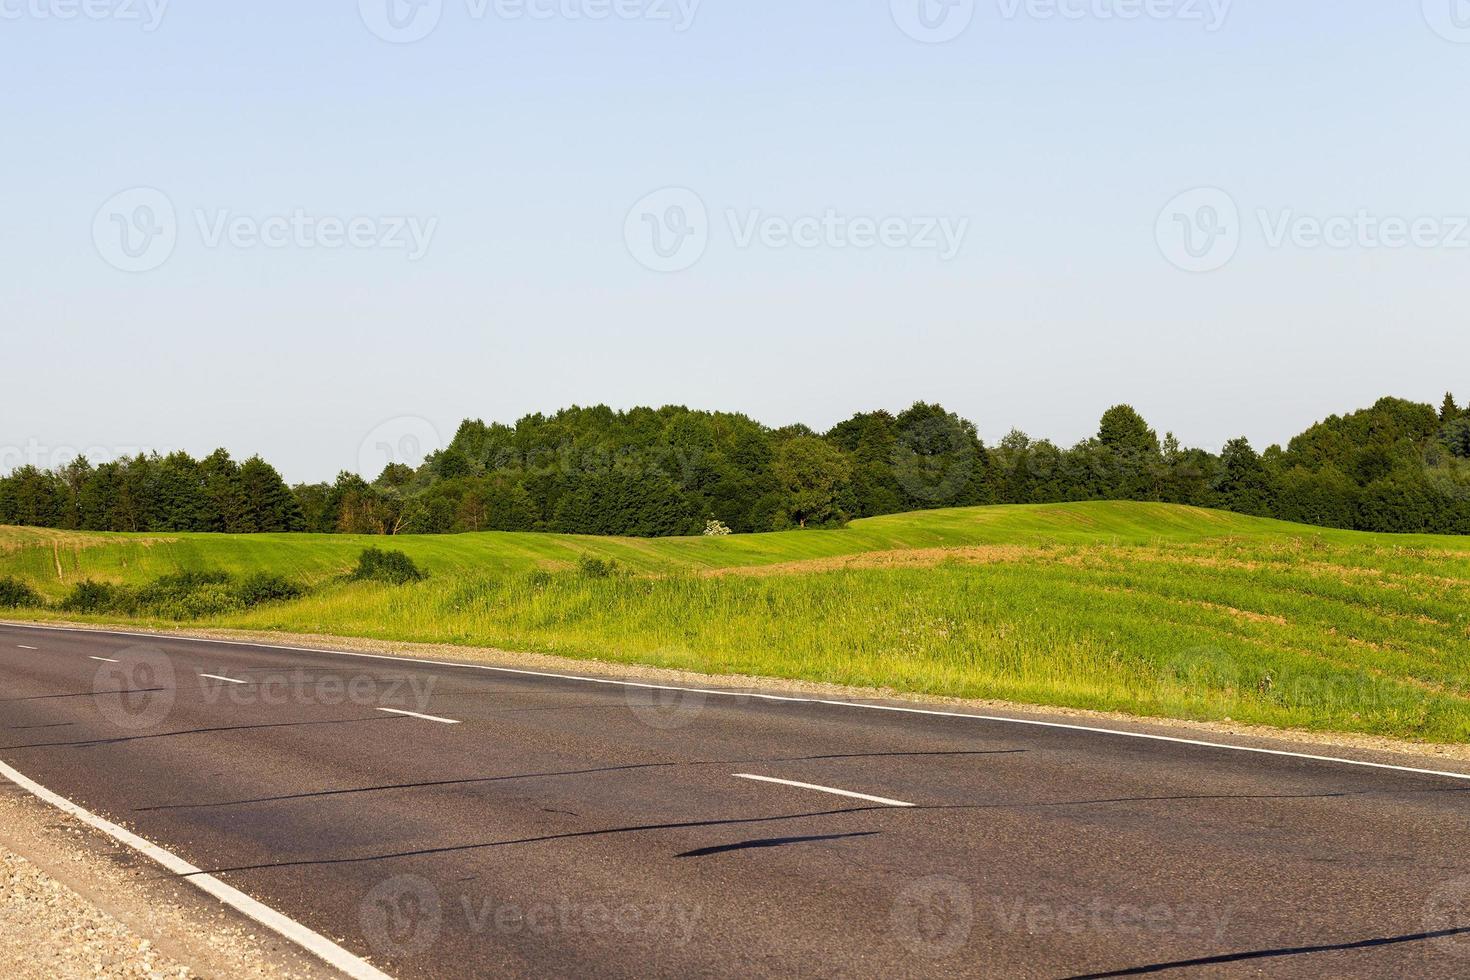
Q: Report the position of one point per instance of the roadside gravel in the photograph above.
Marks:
(75, 905)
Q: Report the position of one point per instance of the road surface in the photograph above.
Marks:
(444, 820)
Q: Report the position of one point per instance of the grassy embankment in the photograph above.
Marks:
(1149, 609)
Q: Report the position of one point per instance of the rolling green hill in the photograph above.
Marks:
(1151, 609)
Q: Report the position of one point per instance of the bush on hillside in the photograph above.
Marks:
(394, 567)
(15, 594)
(181, 596)
(590, 567)
(91, 597)
(264, 587)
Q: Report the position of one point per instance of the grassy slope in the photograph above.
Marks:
(1151, 609)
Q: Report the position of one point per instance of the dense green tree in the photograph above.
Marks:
(1395, 466)
(812, 476)
(1242, 483)
(1326, 497)
(271, 506)
(938, 459)
(1122, 429)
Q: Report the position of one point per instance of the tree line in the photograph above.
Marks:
(1399, 466)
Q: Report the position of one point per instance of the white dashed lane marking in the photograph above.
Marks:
(415, 714)
(822, 789)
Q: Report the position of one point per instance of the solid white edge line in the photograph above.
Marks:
(227, 680)
(415, 714)
(716, 692)
(318, 945)
(822, 789)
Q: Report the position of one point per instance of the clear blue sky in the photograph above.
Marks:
(519, 144)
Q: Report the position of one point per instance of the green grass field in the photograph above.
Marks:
(1150, 609)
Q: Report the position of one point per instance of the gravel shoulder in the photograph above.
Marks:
(75, 904)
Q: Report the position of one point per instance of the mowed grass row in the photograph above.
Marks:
(1147, 609)
(53, 560)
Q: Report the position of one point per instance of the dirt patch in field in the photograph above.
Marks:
(1242, 614)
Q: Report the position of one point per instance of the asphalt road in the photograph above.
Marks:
(532, 825)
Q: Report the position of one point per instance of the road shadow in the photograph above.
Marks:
(85, 743)
(771, 842)
(571, 835)
(1262, 954)
(473, 780)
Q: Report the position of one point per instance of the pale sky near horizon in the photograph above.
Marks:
(286, 228)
